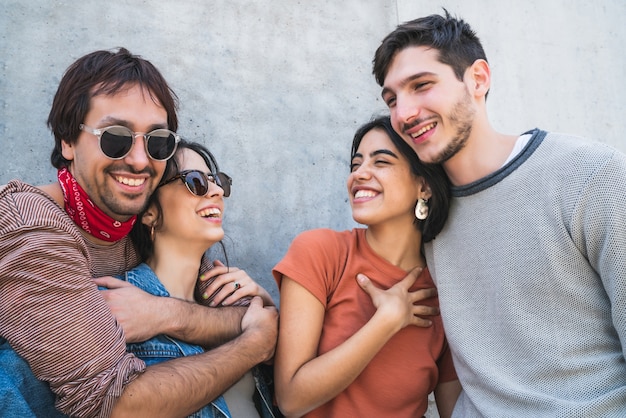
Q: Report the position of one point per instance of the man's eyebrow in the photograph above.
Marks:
(110, 120)
(387, 90)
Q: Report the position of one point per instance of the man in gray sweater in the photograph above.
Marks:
(531, 266)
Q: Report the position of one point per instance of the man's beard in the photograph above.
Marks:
(461, 118)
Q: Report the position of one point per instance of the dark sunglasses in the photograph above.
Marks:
(197, 182)
(117, 141)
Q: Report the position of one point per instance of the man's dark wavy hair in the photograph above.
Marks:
(102, 72)
(456, 42)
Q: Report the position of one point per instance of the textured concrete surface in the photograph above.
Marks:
(276, 89)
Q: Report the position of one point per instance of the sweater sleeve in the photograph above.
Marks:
(599, 229)
(52, 313)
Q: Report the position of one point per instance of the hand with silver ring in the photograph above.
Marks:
(230, 284)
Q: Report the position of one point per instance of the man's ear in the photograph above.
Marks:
(67, 150)
(480, 78)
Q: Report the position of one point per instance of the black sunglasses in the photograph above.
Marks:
(197, 182)
(117, 141)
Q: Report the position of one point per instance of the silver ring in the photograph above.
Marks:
(237, 285)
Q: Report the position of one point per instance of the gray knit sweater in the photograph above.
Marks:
(531, 271)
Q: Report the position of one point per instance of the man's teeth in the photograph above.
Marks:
(424, 129)
(364, 193)
(130, 182)
(210, 213)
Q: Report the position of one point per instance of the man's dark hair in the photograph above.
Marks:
(102, 72)
(457, 44)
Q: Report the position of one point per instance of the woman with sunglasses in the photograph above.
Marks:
(182, 220)
(350, 342)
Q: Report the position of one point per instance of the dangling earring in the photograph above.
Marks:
(152, 232)
(421, 209)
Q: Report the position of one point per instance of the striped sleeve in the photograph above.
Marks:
(50, 310)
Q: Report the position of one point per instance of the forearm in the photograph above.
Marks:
(182, 386)
(65, 333)
(322, 378)
(197, 324)
(446, 395)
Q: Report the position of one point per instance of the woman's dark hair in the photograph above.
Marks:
(140, 234)
(456, 42)
(102, 72)
(433, 174)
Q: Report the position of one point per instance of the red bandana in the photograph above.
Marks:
(87, 215)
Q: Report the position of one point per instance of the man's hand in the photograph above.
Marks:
(142, 316)
(398, 302)
(135, 310)
(260, 324)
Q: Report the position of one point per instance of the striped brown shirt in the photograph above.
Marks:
(50, 309)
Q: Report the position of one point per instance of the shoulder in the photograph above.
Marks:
(580, 160)
(23, 206)
(317, 251)
(324, 240)
(582, 177)
(568, 147)
(143, 277)
(563, 161)
(325, 235)
(21, 196)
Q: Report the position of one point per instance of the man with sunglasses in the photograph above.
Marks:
(114, 122)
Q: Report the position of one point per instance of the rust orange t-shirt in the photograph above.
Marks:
(399, 378)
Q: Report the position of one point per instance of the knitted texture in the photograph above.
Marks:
(531, 272)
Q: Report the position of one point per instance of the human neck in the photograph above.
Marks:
(55, 192)
(86, 214)
(176, 270)
(485, 152)
(398, 244)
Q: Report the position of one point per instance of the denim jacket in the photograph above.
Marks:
(163, 347)
(21, 393)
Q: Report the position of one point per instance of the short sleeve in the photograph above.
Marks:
(315, 260)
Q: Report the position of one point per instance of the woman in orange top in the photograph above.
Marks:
(351, 342)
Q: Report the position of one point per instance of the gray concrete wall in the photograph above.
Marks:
(276, 89)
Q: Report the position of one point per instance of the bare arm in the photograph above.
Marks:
(446, 395)
(305, 380)
(181, 386)
(143, 316)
